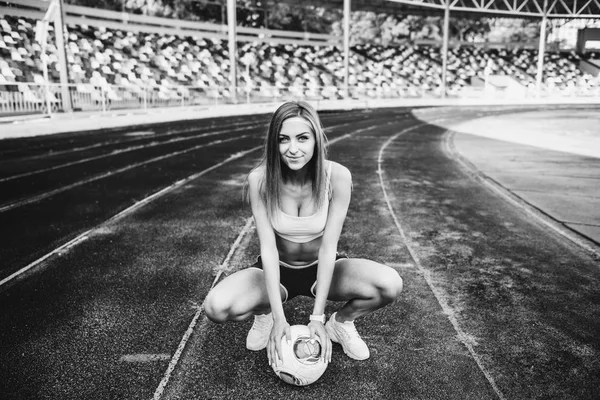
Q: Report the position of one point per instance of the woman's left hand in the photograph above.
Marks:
(317, 328)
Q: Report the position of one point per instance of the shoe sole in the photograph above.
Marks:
(256, 348)
(334, 338)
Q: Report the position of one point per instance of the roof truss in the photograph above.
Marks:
(521, 8)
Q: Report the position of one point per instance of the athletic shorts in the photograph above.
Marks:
(297, 280)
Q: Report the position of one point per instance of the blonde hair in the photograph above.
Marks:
(274, 169)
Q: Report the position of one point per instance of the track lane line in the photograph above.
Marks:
(83, 236)
(117, 142)
(35, 199)
(446, 308)
(125, 150)
(190, 330)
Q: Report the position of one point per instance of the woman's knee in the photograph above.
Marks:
(391, 286)
(215, 308)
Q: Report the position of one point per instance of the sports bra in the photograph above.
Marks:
(303, 229)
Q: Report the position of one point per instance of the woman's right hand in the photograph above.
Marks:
(279, 330)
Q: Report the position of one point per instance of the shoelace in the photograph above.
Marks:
(262, 322)
(348, 330)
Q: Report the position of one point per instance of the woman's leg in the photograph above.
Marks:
(238, 297)
(365, 285)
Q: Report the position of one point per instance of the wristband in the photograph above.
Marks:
(320, 318)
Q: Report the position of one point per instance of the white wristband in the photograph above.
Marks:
(320, 318)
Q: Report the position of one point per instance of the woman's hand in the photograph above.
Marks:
(318, 329)
(279, 330)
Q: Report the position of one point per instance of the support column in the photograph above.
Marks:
(59, 30)
(232, 28)
(346, 47)
(445, 41)
(541, 52)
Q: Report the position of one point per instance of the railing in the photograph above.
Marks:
(31, 98)
(45, 99)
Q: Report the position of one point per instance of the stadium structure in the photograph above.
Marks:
(111, 60)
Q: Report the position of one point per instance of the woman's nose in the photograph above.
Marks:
(293, 147)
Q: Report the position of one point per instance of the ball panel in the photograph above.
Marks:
(307, 352)
(302, 363)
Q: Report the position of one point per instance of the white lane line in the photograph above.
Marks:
(140, 133)
(144, 358)
(34, 199)
(122, 151)
(70, 244)
(117, 142)
(439, 295)
(190, 330)
(538, 214)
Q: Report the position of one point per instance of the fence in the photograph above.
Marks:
(30, 98)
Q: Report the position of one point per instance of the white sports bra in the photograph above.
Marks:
(303, 229)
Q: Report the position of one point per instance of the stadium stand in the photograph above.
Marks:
(110, 67)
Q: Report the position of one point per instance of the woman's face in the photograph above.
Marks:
(296, 142)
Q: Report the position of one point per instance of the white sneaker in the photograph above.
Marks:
(345, 334)
(258, 336)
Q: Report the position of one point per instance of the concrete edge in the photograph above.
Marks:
(546, 219)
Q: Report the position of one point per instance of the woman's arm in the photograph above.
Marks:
(341, 184)
(270, 262)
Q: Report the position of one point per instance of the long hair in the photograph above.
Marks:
(276, 172)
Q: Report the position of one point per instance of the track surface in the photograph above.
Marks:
(496, 305)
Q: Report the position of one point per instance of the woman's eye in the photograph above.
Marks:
(303, 138)
(282, 139)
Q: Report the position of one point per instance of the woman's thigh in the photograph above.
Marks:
(362, 278)
(240, 293)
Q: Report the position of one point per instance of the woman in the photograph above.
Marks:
(299, 202)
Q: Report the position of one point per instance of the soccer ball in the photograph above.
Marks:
(302, 362)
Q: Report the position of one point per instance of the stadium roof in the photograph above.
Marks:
(507, 8)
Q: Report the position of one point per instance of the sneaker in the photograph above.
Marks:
(258, 336)
(345, 334)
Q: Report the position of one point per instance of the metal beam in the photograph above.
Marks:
(445, 41)
(231, 28)
(541, 52)
(59, 30)
(346, 48)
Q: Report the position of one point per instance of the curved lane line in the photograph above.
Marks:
(538, 214)
(83, 236)
(51, 193)
(190, 330)
(462, 336)
(125, 150)
(109, 143)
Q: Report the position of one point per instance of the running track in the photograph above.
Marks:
(108, 253)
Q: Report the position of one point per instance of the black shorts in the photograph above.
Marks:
(297, 281)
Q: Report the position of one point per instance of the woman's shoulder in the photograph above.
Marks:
(339, 171)
(256, 175)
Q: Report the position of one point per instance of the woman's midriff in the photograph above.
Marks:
(298, 254)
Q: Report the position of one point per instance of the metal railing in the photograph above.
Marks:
(32, 98)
